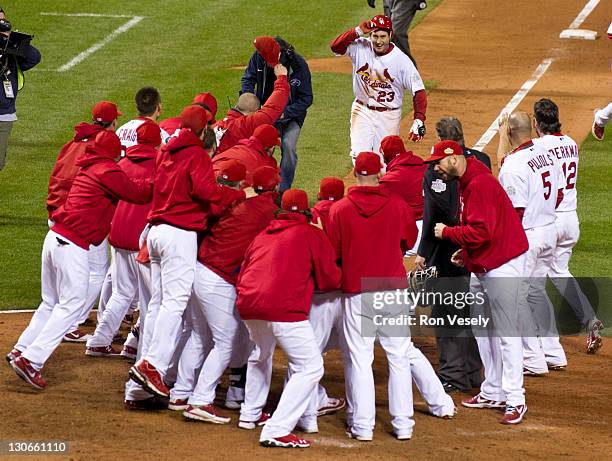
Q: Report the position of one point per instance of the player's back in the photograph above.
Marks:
(530, 177)
(565, 151)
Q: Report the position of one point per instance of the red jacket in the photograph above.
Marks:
(185, 185)
(100, 183)
(250, 152)
(370, 229)
(404, 177)
(170, 125)
(321, 211)
(491, 233)
(236, 126)
(223, 248)
(65, 168)
(130, 219)
(281, 269)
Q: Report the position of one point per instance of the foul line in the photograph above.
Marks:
(105, 41)
(513, 103)
(18, 311)
(588, 9)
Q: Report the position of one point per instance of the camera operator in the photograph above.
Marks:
(16, 56)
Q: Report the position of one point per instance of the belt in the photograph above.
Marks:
(377, 109)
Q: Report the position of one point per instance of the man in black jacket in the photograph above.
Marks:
(11, 73)
(460, 364)
(259, 79)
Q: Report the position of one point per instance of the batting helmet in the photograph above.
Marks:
(382, 22)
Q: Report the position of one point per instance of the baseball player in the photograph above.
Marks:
(381, 74)
(565, 150)
(83, 220)
(254, 152)
(275, 309)
(531, 176)
(240, 121)
(128, 223)
(149, 107)
(369, 230)
(184, 188)
(401, 13)
(602, 116)
(404, 176)
(104, 117)
(493, 243)
(206, 100)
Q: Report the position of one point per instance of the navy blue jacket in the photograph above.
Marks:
(7, 106)
(259, 79)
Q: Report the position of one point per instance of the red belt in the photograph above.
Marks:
(377, 109)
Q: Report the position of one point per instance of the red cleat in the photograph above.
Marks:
(25, 371)
(149, 378)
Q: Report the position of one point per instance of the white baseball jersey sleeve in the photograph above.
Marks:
(565, 151)
(380, 81)
(530, 177)
(127, 133)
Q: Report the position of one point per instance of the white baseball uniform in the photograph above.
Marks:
(565, 150)
(127, 132)
(530, 176)
(379, 82)
(603, 116)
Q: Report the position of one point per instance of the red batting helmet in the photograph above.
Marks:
(382, 22)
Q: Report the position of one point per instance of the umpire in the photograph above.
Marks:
(460, 364)
(11, 72)
(259, 79)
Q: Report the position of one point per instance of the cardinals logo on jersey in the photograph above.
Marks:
(374, 78)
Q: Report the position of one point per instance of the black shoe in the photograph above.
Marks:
(450, 388)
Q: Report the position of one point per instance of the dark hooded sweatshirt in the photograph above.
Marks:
(281, 269)
(65, 168)
(370, 229)
(100, 183)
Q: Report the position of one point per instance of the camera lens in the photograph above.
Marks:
(5, 25)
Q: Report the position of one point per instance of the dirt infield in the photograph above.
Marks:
(83, 405)
(479, 52)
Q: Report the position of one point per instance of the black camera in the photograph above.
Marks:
(422, 5)
(14, 43)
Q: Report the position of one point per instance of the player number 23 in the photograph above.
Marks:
(385, 96)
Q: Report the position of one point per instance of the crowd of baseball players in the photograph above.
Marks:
(223, 263)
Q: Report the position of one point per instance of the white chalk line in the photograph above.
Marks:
(18, 311)
(514, 102)
(586, 11)
(105, 41)
(87, 15)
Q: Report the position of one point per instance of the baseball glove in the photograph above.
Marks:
(420, 280)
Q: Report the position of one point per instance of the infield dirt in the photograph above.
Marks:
(479, 52)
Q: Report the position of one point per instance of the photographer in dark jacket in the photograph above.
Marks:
(259, 79)
(11, 71)
(460, 364)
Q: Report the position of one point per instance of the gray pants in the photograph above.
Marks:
(5, 132)
(289, 137)
(401, 13)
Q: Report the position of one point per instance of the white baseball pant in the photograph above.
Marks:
(501, 347)
(415, 248)
(173, 257)
(567, 227)
(64, 281)
(361, 351)
(544, 349)
(124, 277)
(603, 116)
(216, 298)
(369, 127)
(297, 341)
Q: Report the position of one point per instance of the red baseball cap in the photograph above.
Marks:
(148, 133)
(232, 171)
(268, 135)
(265, 178)
(331, 189)
(269, 49)
(444, 149)
(294, 200)
(209, 100)
(390, 146)
(367, 163)
(194, 117)
(108, 142)
(380, 21)
(105, 111)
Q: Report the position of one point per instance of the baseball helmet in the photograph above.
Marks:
(382, 22)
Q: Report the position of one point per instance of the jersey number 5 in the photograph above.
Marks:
(385, 96)
(547, 185)
(569, 170)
